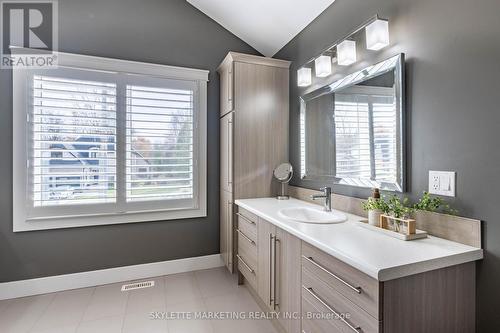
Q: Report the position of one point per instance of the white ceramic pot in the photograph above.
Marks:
(374, 216)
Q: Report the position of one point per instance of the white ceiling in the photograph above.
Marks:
(266, 25)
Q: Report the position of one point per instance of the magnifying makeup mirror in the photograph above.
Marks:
(283, 173)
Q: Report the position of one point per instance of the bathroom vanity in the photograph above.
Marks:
(361, 280)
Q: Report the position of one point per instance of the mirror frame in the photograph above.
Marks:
(396, 63)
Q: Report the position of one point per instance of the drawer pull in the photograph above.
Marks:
(245, 236)
(245, 218)
(245, 264)
(313, 294)
(311, 260)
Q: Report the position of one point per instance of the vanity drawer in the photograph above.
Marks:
(358, 287)
(311, 323)
(247, 268)
(329, 300)
(247, 245)
(247, 222)
(247, 229)
(250, 217)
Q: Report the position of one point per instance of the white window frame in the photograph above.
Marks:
(21, 137)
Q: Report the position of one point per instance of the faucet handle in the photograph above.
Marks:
(327, 190)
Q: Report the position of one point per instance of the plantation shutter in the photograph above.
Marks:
(352, 135)
(359, 117)
(160, 143)
(72, 126)
(105, 141)
(385, 138)
(111, 143)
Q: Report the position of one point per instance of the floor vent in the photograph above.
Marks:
(138, 285)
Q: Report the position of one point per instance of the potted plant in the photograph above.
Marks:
(433, 204)
(375, 208)
(399, 209)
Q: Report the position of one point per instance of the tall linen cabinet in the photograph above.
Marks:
(253, 134)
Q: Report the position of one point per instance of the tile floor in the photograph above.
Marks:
(106, 309)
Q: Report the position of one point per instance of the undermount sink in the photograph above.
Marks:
(311, 215)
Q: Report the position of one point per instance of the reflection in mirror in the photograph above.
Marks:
(351, 131)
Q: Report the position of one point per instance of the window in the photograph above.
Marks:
(366, 136)
(104, 141)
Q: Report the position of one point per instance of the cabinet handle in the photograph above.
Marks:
(229, 85)
(313, 294)
(245, 264)
(245, 218)
(245, 236)
(228, 235)
(229, 153)
(276, 303)
(271, 300)
(350, 286)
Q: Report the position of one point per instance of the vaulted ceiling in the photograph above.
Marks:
(266, 25)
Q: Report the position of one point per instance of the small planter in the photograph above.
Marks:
(400, 225)
(374, 216)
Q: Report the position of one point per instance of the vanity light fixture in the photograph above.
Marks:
(377, 35)
(344, 50)
(323, 66)
(346, 53)
(304, 77)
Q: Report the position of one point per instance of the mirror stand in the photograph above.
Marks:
(283, 173)
(283, 195)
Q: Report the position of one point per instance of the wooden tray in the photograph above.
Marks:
(419, 234)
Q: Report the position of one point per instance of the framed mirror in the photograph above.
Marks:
(352, 131)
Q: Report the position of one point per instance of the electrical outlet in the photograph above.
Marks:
(442, 183)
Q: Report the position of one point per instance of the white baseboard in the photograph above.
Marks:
(51, 284)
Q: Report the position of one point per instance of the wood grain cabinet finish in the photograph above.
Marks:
(348, 281)
(278, 273)
(226, 152)
(226, 87)
(226, 229)
(335, 304)
(292, 276)
(441, 300)
(253, 128)
(288, 277)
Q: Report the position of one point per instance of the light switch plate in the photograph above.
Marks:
(442, 183)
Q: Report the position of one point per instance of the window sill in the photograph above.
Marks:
(21, 224)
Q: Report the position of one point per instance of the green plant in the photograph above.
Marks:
(433, 204)
(374, 204)
(399, 208)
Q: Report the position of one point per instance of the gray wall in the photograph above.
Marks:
(453, 62)
(168, 32)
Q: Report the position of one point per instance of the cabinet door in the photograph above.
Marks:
(226, 229)
(226, 89)
(226, 153)
(230, 88)
(288, 280)
(261, 127)
(265, 240)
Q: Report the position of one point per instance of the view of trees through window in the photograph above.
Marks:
(159, 143)
(76, 138)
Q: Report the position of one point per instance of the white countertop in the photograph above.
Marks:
(379, 256)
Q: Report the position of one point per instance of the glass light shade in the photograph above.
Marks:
(304, 77)
(323, 66)
(346, 53)
(377, 35)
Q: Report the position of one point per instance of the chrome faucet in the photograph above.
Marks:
(327, 195)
